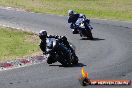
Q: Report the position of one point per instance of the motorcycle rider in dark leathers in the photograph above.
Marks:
(73, 17)
(43, 36)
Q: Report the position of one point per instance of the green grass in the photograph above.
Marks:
(106, 9)
(16, 43)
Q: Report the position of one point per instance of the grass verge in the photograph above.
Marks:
(106, 9)
(16, 43)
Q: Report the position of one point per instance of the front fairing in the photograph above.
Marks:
(80, 24)
(79, 21)
(51, 43)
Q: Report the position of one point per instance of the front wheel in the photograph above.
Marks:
(89, 34)
(75, 31)
(51, 59)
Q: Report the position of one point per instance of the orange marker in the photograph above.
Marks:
(84, 80)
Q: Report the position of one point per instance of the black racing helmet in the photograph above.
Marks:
(43, 34)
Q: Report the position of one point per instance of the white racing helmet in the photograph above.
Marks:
(43, 34)
(71, 12)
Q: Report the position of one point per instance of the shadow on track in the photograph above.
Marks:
(77, 65)
(94, 39)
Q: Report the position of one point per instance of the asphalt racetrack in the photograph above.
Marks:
(108, 56)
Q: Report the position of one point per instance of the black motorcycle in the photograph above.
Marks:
(84, 28)
(57, 51)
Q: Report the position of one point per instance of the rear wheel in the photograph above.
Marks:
(65, 61)
(65, 57)
(75, 60)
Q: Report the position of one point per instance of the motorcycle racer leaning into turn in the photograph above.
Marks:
(43, 44)
(73, 17)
